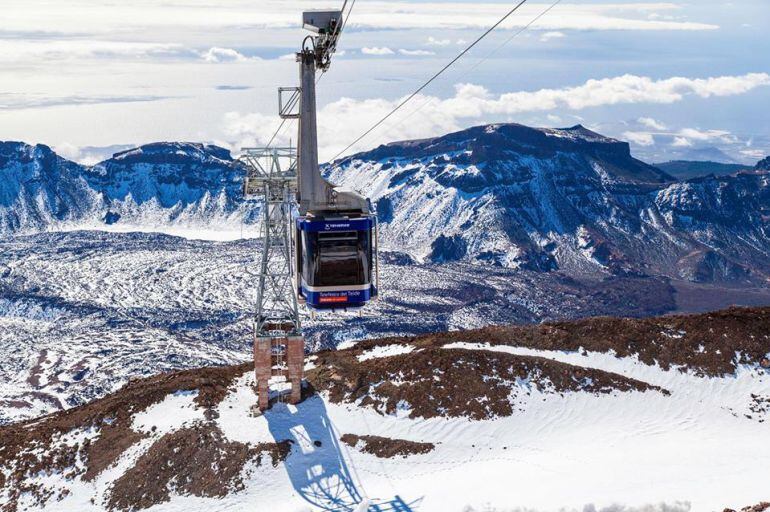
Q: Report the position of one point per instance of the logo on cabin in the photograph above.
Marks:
(329, 227)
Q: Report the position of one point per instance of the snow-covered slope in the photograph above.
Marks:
(163, 185)
(172, 184)
(570, 199)
(664, 414)
(39, 188)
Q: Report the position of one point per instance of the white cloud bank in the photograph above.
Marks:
(681, 142)
(29, 51)
(344, 120)
(651, 123)
(216, 54)
(416, 53)
(640, 138)
(681, 138)
(432, 41)
(548, 36)
(106, 16)
(377, 51)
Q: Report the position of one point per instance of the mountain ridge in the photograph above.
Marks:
(504, 194)
(575, 200)
(158, 183)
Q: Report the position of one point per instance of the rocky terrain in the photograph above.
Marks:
(83, 312)
(433, 422)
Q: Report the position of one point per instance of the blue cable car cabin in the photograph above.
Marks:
(336, 261)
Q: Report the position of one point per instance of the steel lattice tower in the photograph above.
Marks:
(278, 342)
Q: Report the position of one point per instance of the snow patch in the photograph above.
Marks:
(385, 351)
(176, 411)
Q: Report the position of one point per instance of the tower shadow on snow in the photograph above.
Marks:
(316, 465)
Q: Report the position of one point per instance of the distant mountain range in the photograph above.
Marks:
(688, 169)
(505, 195)
(705, 154)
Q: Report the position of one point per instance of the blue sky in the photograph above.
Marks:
(676, 79)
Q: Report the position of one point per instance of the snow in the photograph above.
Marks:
(346, 344)
(175, 412)
(108, 306)
(236, 417)
(385, 351)
(560, 453)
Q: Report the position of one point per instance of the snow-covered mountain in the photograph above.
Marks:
(504, 195)
(664, 414)
(38, 188)
(569, 199)
(489, 226)
(162, 184)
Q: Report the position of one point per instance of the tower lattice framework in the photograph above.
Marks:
(279, 346)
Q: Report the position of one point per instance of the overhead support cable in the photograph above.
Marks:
(467, 71)
(432, 79)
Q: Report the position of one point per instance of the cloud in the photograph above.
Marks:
(548, 36)
(253, 130)
(89, 155)
(31, 51)
(68, 151)
(756, 154)
(626, 89)
(640, 138)
(33, 101)
(432, 41)
(477, 15)
(377, 51)
(707, 135)
(233, 87)
(344, 120)
(416, 53)
(217, 54)
(106, 16)
(651, 123)
(681, 138)
(681, 142)
(684, 137)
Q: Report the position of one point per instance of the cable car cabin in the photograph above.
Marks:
(336, 261)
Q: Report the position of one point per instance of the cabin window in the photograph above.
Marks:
(332, 259)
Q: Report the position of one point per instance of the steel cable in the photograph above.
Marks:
(432, 79)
